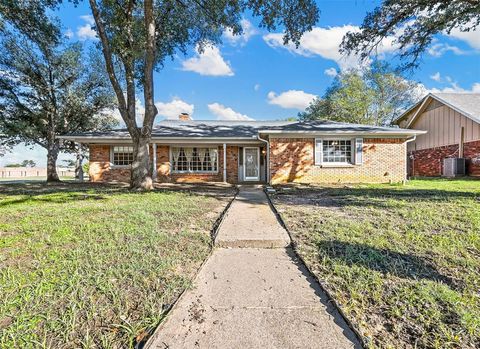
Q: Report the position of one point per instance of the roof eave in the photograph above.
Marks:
(401, 132)
(156, 139)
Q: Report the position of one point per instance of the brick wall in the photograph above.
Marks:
(292, 160)
(471, 151)
(429, 162)
(102, 171)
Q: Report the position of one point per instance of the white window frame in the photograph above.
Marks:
(189, 171)
(318, 152)
(112, 164)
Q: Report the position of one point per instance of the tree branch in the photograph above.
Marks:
(107, 53)
(150, 109)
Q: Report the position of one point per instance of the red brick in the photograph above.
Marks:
(429, 162)
(292, 160)
(471, 152)
(102, 171)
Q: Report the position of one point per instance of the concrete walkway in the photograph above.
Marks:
(254, 294)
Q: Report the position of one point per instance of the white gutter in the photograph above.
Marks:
(225, 162)
(267, 164)
(163, 140)
(360, 133)
(154, 171)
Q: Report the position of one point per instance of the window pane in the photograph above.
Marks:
(194, 159)
(337, 151)
(122, 155)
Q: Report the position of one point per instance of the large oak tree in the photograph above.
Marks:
(48, 88)
(136, 36)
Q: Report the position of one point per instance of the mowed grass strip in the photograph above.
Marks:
(403, 261)
(94, 266)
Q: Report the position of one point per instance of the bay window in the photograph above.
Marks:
(194, 159)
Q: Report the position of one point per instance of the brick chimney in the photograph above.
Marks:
(184, 117)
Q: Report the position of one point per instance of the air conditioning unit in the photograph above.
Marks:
(453, 167)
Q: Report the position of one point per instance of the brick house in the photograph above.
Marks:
(255, 151)
(452, 122)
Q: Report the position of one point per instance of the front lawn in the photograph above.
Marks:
(403, 261)
(84, 266)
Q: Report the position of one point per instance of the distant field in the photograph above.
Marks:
(39, 179)
(91, 266)
(403, 261)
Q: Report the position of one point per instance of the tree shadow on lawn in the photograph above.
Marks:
(18, 193)
(386, 261)
(338, 197)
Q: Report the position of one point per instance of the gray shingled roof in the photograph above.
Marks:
(240, 129)
(466, 103)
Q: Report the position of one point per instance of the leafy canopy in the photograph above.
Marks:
(180, 24)
(413, 24)
(49, 88)
(376, 95)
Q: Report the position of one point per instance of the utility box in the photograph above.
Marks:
(453, 167)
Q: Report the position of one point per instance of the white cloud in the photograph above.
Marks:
(85, 32)
(294, 99)
(436, 77)
(325, 42)
(248, 30)
(332, 72)
(172, 109)
(455, 88)
(256, 87)
(472, 37)
(225, 113)
(209, 62)
(69, 33)
(88, 18)
(139, 113)
(438, 49)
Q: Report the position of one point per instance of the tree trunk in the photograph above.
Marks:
(52, 155)
(78, 165)
(140, 175)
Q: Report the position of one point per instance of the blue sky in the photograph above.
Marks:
(255, 76)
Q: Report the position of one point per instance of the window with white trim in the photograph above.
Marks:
(333, 151)
(194, 159)
(122, 155)
(338, 151)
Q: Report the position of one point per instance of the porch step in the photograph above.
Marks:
(274, 243)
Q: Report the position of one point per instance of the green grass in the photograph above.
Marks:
(94, 266)
(403, 261)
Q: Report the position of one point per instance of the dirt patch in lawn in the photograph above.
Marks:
(401, 260)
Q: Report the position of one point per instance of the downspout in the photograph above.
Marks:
(413, 159)
(267, 162)
(154, 171)
(225, 162)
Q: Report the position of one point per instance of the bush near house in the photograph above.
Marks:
(403, 261)
(96, 266)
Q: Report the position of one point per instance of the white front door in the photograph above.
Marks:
(251, 163)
